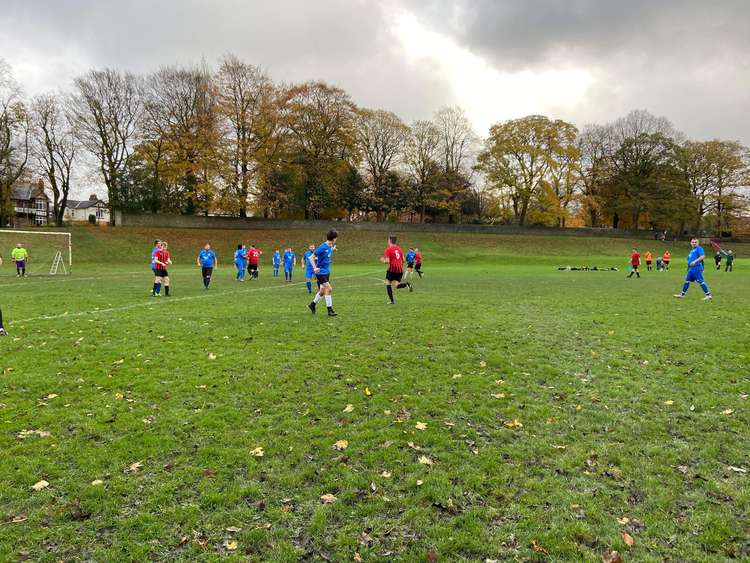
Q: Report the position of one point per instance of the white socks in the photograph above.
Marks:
(316, 298)
(329, 300)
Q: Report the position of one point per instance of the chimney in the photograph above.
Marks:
(93, 197)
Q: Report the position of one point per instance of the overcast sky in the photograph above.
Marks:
(580, 60)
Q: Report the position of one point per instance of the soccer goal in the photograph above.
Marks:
(49, 253)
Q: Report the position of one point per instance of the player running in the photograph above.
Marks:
(309, 273)
(418, 262)
(409, 257)
(162, 260)
(20, 256)
(695, 271)
(253, 256)
(276, 263)
(240, 261)
(290, 260)
(321, 263)
(207, 261)
(394, 257)
(635, 261)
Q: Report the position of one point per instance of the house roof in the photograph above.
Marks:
(26, 191)
(85, 204)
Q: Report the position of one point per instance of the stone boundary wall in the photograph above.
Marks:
(148, 220)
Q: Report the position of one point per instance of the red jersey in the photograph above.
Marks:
(252, 256)
(418, 258)
(163, 257)
(635, 259)
(395, 257)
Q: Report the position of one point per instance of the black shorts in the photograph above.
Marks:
(252, 267)
(206, 271)
(418, 266)
(322, 278)
(161, 272)
(410, 264)
(394, 276)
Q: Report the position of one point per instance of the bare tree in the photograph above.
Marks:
(421, 153)
(104, 110)
(380, 137)
(247, 103)
(54, 148)
(459, 143)
(14, 139)
(595, 146)
(459, 146)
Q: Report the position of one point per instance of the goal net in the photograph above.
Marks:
(49, 253)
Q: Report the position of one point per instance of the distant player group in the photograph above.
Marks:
(315, 260)
(695, 261)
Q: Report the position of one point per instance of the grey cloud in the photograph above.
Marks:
(685, 59)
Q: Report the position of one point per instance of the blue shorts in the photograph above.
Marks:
(309, 274)
(694, 276)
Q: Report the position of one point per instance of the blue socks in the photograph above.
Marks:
(309, 287)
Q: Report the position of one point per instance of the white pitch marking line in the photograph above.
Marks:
(167, 300)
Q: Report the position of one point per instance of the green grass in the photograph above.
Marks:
(619, 389)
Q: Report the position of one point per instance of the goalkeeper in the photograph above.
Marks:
(20, 256)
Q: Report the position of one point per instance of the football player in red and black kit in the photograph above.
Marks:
(394, 257)
(161, 261)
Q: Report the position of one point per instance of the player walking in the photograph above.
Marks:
(240, 262)
(276, 263)
(695, 271)
(20, 256)
(394, 257)
(321, 263)
(730, 261)
(635, 261)
(162, 260)
(290, 260)
(418, 262)
(309, 273)
(253, 256)
(207, 261)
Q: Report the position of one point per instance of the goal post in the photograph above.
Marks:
(50, 253)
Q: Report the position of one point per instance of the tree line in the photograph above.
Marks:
(229, 140)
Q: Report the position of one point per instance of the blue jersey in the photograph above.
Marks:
(154, 250)
(410, 256)
(276, 259)
(323, 258)
(289, 260)
(696, 253)
(239, 255)
(207, 258)
(306, 262)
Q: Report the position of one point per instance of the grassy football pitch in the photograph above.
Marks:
(504, 410)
